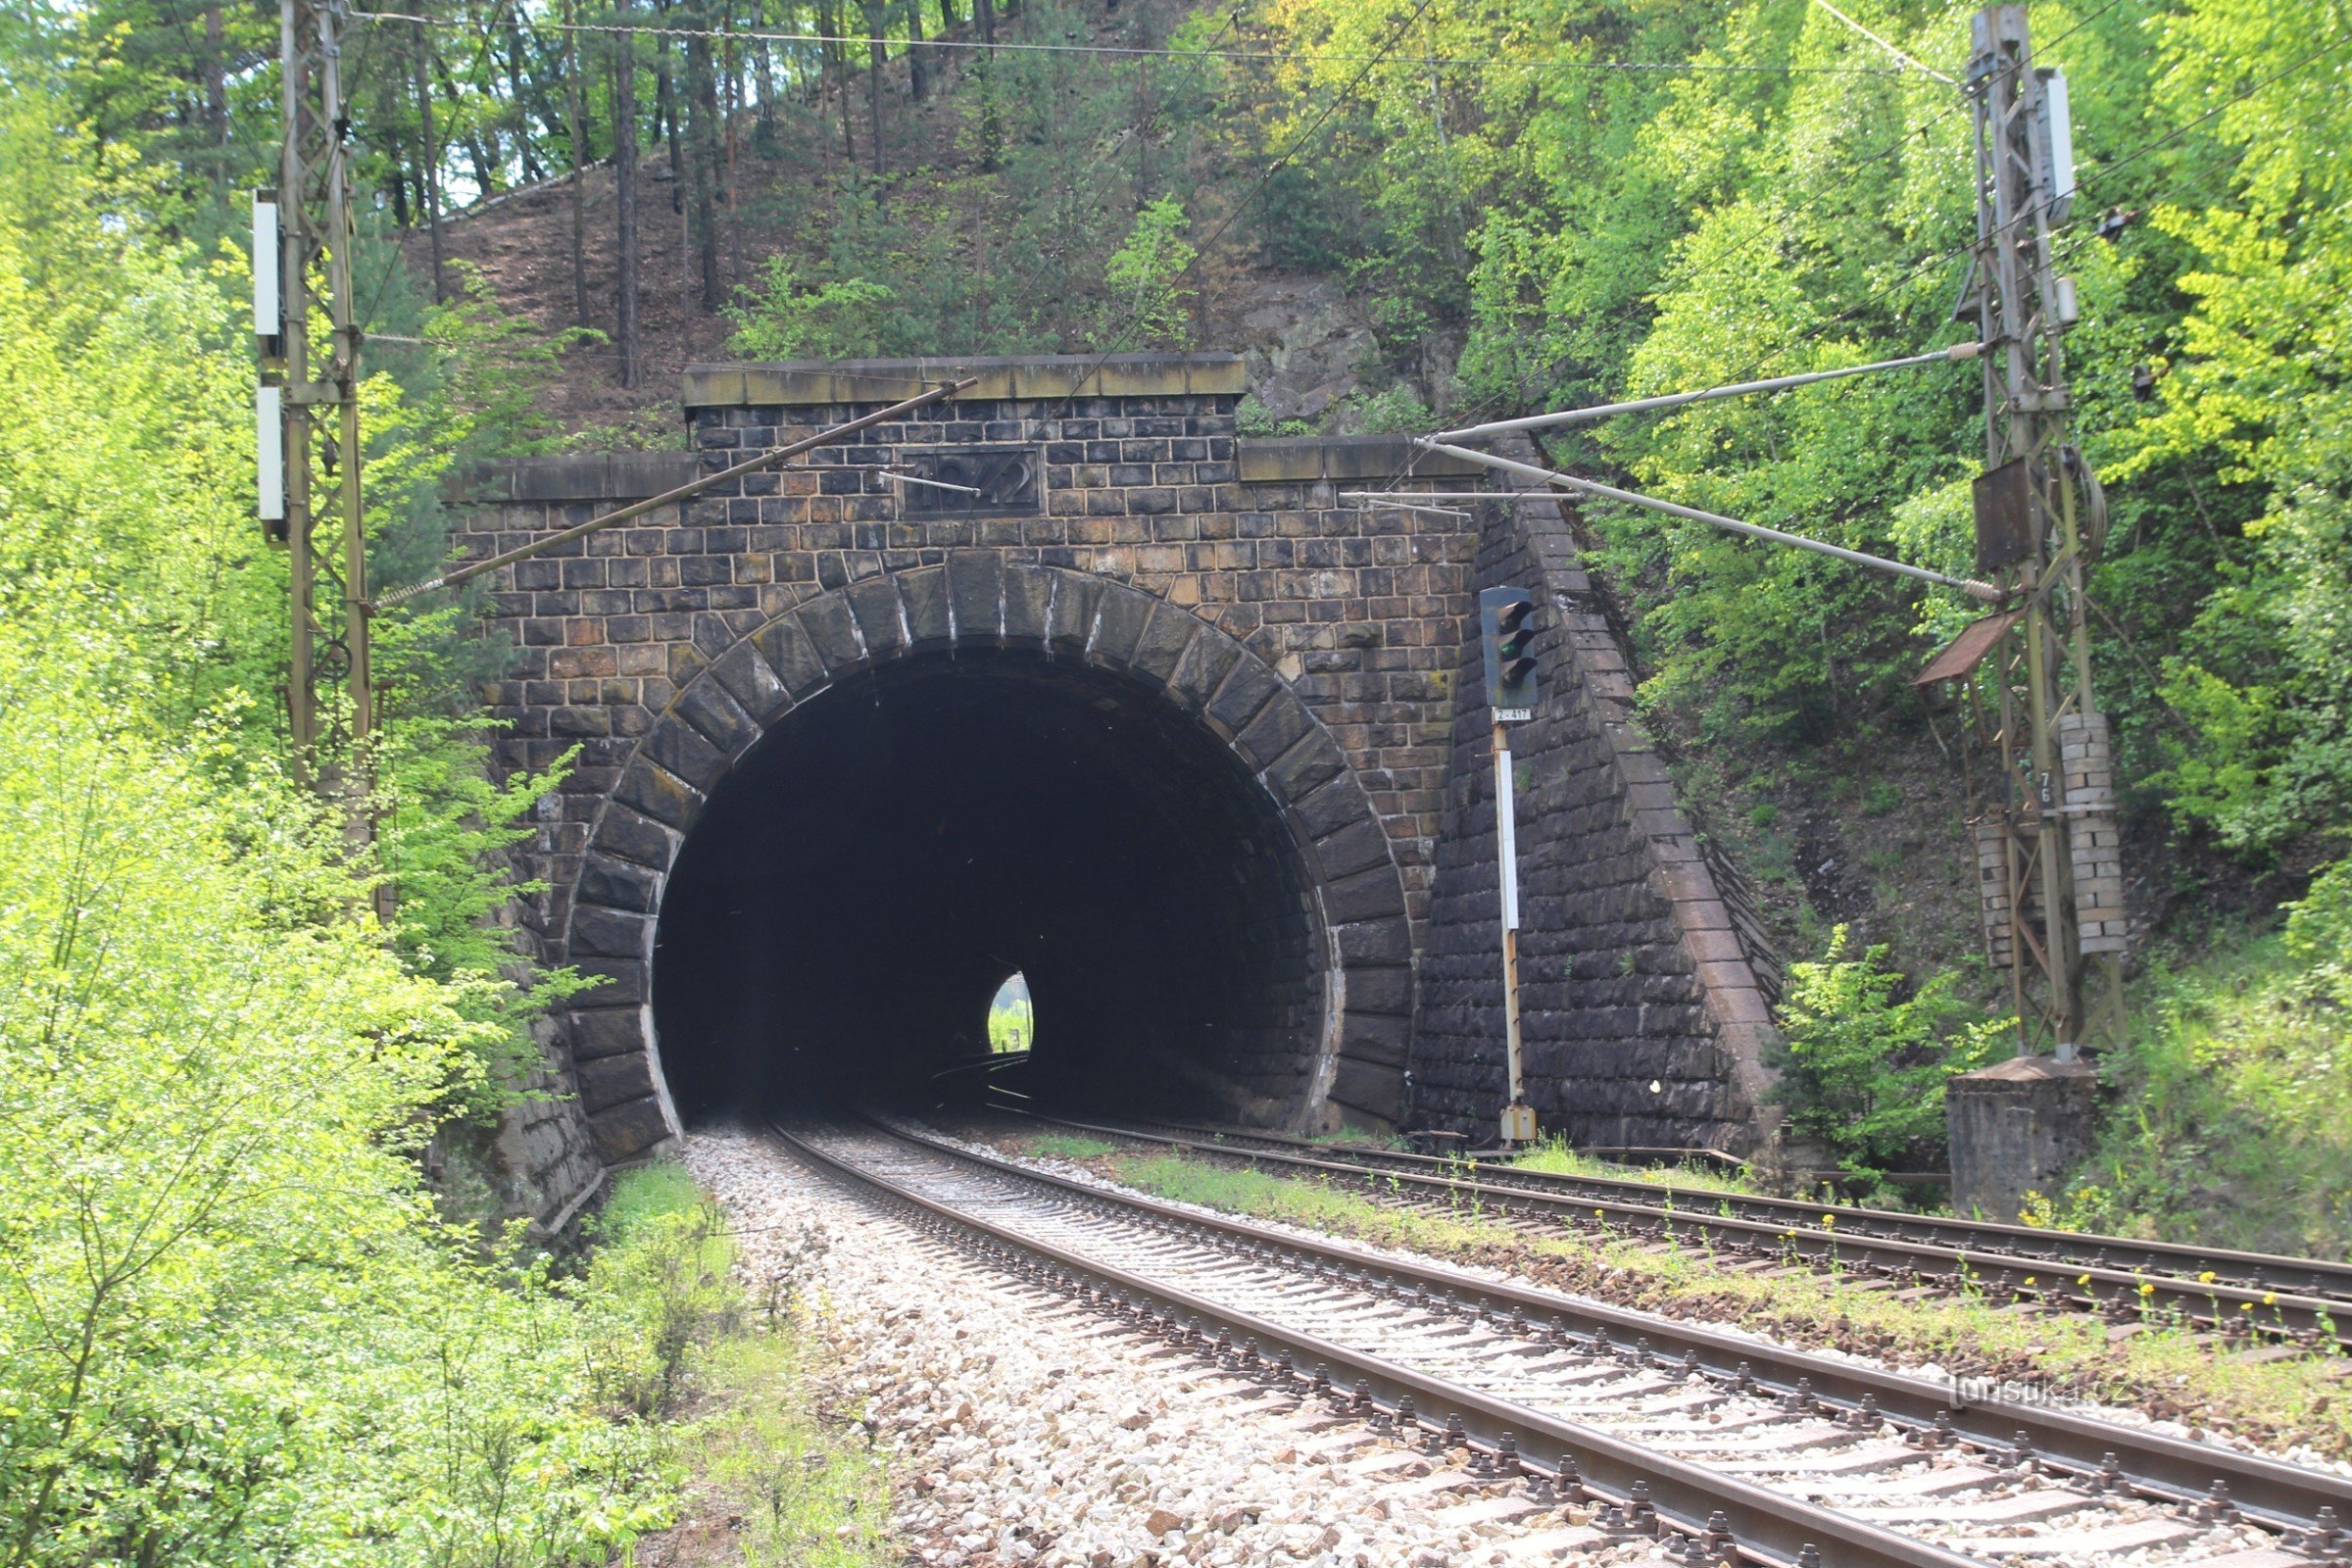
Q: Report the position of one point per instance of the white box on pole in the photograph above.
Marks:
(268, 308)
(269, 453)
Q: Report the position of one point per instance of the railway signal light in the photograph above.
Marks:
(1507, 633)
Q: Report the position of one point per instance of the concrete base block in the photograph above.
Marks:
(2016, 1128)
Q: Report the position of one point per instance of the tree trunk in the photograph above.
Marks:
(987, 9)
(763, 74)
(833, 68)
(917, 72)
(702, 158)
(665, 118)
(579, 170)
(625, 200)
(731, 119)
(428, 160)
(215, 82)
(948, 20)
(876, 54)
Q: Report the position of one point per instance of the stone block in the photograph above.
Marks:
(1240, 696)
(792, 653)
(607, 1032)
(659, 795)
(1281, 724)
(1370, 1087)
(626, 1131)
(1119, 623)
(1357, 848)
(976, 595)
(612, 982)
(833, 630)
(1164, 638)
(756, 688)
(608, 1081)
(611, 933)
(715, 716)
(618, 884)
(1373, 941)
(1376, 1036)
(2016, 1127)
(1028, 604)
(633, 836)
(874, 604)
(681, 750)
(1366, 895)
(924, 594)
(1307, 766)
(1206, 661)
(1076, 597)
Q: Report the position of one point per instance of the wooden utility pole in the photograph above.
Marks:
(2047, 846)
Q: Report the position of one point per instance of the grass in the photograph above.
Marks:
(2158, 1368)
(1553, 1156)
(773, 1482)
(2234, 1125)
(809, 1494)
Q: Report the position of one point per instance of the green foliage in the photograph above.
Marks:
(1253, 417)
(1149, 305)
(812, 1495)
(2319, 933)
(2234, 1118)
(1399, 409)
(1556, 1155)
(786, 316)
(1863, 1067)
(1011, 1023)
(657, 1289)
(233, 1330)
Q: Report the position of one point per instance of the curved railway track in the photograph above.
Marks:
(1728, 1450)
(2248, 1296)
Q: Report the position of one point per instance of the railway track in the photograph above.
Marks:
(1592, 1426)
(2249, 1297)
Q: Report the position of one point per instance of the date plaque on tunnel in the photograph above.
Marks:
(972, 482)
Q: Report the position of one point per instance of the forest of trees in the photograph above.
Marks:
(239, 1326)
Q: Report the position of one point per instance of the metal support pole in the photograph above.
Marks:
(1518, 1116)
(344, 376)
(2057, 804)
(294, 256)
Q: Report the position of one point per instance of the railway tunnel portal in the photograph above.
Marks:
(1120, 699)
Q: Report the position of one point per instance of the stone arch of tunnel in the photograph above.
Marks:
(826, 854)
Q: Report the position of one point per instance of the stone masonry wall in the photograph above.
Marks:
(1362, 620)
(1642, 1021)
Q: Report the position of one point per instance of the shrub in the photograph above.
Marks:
(787, 316)
(1150, 306)
(1863, 1069)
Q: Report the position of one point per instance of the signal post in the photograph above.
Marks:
(1507, 630)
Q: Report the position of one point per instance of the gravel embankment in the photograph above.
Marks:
(1025, 1431)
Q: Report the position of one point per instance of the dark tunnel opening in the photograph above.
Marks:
(848, 904)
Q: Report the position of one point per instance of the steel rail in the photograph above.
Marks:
(1767, 1527)
(2228, 1290)
(2166, 1468)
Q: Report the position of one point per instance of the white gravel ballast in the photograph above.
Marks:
(1023, 1429)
